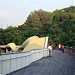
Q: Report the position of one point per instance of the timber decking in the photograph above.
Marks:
(58, 64)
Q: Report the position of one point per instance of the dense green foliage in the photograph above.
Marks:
(59, 25)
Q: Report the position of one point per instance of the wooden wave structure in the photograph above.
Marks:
(31, 43)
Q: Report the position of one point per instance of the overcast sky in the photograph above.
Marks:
(13, 12)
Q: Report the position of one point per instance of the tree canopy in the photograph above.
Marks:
(59, 25)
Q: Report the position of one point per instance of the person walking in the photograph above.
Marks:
(62, 48)
(50, 50)
(59, 46)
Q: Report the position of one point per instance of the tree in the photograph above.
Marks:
(1, 36)
(38, 17)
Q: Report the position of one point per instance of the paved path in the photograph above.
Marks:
(58, 64)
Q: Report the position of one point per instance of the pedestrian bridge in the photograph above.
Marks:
(58, 64)
(37, 62)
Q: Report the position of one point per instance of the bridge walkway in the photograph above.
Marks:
(58, 64)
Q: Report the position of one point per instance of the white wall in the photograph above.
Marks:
(16, 61)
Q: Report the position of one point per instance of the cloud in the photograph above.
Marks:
(74, 2)
(6, 15)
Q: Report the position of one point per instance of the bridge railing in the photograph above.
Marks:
(70, 50)
(15, 61)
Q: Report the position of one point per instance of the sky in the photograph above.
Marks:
(14, 12)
